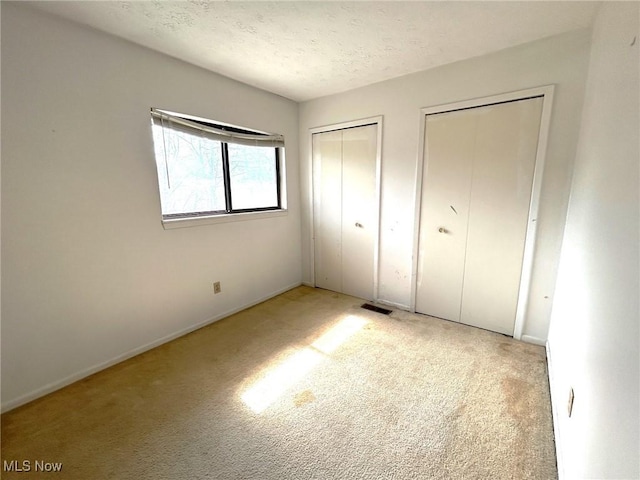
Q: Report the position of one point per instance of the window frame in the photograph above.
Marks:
(175, 220)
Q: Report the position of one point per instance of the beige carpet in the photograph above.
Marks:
(304, 386)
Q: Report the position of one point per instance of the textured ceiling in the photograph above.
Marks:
(303, 50)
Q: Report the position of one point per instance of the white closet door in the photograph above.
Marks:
(359, 223)
(505, 153)
(444, 213)
(344, 209)
(480, 161)
(327, 159)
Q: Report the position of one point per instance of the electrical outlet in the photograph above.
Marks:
(216, 287)
(570, 403)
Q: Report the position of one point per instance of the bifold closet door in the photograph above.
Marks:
(478, 176)
(327, 160)
(444, 213)
(345, 223)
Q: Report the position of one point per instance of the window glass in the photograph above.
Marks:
(253, 175)
(190, 177)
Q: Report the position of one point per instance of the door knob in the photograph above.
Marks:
(359, 225)
(443, 230)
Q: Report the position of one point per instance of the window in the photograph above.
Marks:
(207, 169)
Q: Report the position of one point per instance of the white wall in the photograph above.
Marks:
(88, 273)
(559, 60)
(594, 332)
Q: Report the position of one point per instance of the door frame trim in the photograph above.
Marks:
(376, 120)
(546, 92)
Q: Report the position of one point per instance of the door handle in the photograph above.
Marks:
(443, 230)
(359, 225)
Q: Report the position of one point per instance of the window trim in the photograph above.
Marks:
(186, 222)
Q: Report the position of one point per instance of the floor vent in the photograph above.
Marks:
(373, 308)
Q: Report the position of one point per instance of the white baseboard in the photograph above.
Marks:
(57, 385)
(399, 306)
(555, 415)
(308, 284)
(534, 340)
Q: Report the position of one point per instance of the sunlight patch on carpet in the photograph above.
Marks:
(340, 333)
(280, 379)
(275, 380)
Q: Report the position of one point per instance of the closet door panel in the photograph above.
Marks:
(327, 159)
(359, 224)
(503, 166)
(449, 146)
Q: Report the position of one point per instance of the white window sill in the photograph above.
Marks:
(214, 219)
